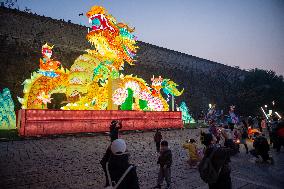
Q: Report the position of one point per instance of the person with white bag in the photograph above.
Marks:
(120, 174)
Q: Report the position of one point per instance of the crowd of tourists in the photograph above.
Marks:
(212, 161)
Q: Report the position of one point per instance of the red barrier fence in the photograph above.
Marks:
(49, 122)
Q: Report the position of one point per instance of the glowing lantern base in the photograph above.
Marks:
(51, 122)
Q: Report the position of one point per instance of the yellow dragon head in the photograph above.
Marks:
(113, 41)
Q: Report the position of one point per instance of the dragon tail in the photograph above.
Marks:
(171, 87)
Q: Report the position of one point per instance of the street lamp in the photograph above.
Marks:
(278, 115)
(264, 113)
(270, 113)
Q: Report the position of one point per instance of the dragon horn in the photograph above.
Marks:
(122, 25)
(130, 29)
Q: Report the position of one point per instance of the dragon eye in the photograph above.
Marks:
(96, 22)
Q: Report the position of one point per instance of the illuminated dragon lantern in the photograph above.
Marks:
(47, 80)
(94, 80)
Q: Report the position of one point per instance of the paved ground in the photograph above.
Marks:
(73, 162)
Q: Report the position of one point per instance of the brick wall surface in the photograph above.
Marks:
(50, 122)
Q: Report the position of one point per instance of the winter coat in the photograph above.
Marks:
(220, 159)
(118, 164)
(106, 157)
(158, 137)
(261, 145)
(114, 132)
(244, 132)
(165, 158)
(192, 150)
(280, 132)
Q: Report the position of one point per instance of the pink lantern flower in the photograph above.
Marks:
(44, 98)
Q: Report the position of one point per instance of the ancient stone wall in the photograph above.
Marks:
(22, 35)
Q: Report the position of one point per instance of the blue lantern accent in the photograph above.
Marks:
(48, 73)
(96, 22)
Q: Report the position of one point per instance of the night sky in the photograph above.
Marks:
(248, 34)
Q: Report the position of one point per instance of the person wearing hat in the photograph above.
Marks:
(114, 129)
(118, 165)
(220, 161)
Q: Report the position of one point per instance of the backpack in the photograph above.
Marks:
(119, 181)
(206, 169)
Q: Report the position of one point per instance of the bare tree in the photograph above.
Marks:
(13, 4)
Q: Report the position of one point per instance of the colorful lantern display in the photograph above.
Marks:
(7, 113)
(233, 118)
(186, 117)
(211, 114)
(94, 81)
